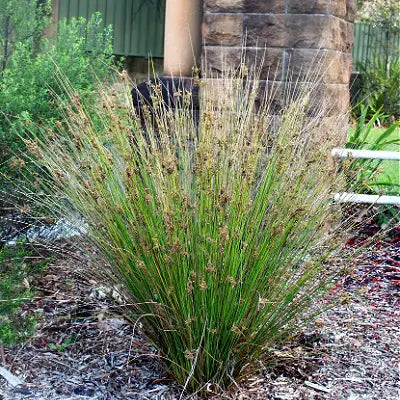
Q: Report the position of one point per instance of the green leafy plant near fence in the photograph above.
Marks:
(380, 83)
(372, 175)
(376, 56)
(215, 230)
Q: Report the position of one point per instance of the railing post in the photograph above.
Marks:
(182, 43)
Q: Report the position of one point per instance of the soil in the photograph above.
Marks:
(83, 348)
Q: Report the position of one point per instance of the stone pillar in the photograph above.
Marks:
(292, 34)
(182, 43)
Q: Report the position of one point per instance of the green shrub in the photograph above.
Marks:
(22, 21)
(215, 233)
(380, 83)
(375, 176)
(17, 266)
(29, 84)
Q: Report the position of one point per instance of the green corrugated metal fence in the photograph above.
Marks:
(371, 42)
(138, 24)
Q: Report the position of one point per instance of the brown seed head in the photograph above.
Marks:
(232, 281)
(25, 209)
(210, 268)
(193, 274)
(189, 286)
(189, 355)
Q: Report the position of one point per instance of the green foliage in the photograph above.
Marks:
(29, 84)
(380, 76)
(370, 175)
(22, 21)
(63, 346)
(380, 13)
(17, 266)
(215, 233)
(380, 83)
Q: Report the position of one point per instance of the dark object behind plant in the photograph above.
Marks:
(172, 91)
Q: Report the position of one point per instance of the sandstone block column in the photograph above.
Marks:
(291, 35)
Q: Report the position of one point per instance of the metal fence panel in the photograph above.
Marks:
(138, 24)
(372, 43)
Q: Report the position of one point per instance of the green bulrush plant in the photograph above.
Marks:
(216, 233)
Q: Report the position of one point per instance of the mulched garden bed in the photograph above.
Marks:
(84, 349)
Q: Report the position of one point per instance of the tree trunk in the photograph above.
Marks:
(38, 34)
(6, 40)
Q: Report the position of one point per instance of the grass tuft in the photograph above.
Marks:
(217, 228)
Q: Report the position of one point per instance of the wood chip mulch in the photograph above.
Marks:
(84, 349)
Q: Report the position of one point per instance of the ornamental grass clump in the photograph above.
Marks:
(215, 228)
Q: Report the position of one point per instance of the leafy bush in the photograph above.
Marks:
(380, 12)
(28, 85)
(374, 176)
(22, 21)
(17, 266)
(380, 79)
(370, 174)
(215, 231)
(380, 83)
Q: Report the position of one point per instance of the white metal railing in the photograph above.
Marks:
(366, 154)
(357, 198)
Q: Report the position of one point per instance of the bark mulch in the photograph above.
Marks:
(84, 349)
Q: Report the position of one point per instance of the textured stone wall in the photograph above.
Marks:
(292, 34)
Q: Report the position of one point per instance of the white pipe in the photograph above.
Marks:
(366, 154)
(366, 198)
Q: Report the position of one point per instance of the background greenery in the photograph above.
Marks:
(380, 77)
(380, 89)
(28, 83)
(30, 64)
(391, 169)
(22, 21)
(18, 267)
